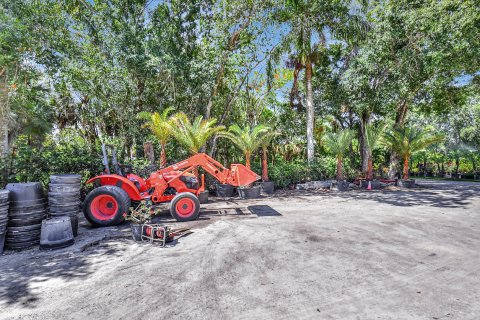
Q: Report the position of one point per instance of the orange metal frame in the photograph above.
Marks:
(159, 181)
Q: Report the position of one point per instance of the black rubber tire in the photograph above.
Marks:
(119, 194)
(177, 198)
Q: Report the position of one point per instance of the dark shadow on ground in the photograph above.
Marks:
(435, 194)
(263, 211)
(20, 272)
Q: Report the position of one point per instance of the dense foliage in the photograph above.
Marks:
(76, 74)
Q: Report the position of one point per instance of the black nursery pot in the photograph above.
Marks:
(405, 183)
(249, 193)
(340, 185)
(268, 187)
(203, 197)
(224, 190)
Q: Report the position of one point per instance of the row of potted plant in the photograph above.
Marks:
(194, 136)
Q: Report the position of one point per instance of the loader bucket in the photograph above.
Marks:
(241, 175)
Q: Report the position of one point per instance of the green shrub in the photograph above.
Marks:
(286, 174)
(63, 155)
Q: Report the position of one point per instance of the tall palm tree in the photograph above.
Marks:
(338, 143)
(247, 139)
(408, 141)
(309, 23)
(160, 125)
(373, 137)
(266, 141)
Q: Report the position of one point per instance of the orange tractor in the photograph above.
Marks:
(111, 198)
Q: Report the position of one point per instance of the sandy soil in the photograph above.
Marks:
(299, 255)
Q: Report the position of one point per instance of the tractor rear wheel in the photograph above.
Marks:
(105, 206)
(185, 207)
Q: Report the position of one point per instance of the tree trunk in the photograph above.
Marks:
(339, 168)
(364, 148)
(4, 114)
(400, 118)
(370, 168)
(294, 91)
(405, 168)
(457, 165)
(393, 165)
(310, 111)
(148, 151)
(163, 156)
(247, 160)
(264, 165)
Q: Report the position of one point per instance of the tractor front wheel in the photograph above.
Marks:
(185, 207)
(105, 206)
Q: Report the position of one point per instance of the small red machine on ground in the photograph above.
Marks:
(110, 200)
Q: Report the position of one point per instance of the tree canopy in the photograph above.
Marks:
(81, 72)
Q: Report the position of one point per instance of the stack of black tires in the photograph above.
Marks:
(3, 217)
(64, 197)
(26, 211)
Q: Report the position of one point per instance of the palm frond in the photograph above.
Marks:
(338, 142)
(193, 135)
(408, 141)
(247, 139)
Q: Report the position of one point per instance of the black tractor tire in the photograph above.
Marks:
(185, 206)
(122, 206)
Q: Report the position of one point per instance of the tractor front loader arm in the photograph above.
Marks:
(237, 175)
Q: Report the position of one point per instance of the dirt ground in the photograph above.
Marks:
(390, 254)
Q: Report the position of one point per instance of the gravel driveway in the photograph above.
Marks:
(394, 254)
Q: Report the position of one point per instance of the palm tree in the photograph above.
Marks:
(247, 139)
(373, 138)
(408, 141)
(338, 144)
(193, 135)
(160, 125)
(309, 24)
(266, 141)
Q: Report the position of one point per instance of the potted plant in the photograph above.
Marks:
(406, 142)
(139, 216)
(267, 185)
(248, 140)
(373, 137)
(160, 125)
(338, 143)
